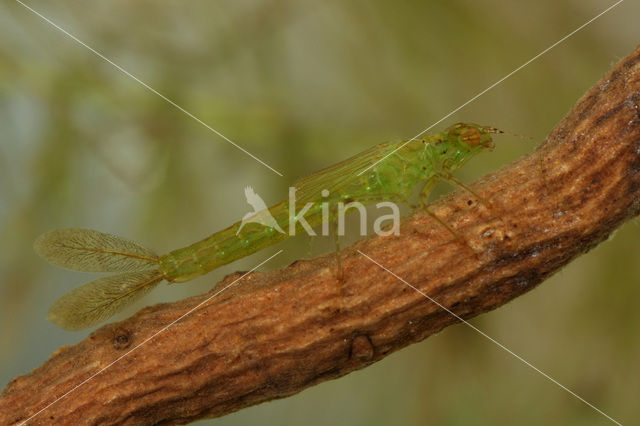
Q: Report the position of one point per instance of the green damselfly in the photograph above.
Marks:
(392, 171)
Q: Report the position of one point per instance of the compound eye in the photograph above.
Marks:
(471, 136)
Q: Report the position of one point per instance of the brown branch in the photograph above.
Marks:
(277, 333)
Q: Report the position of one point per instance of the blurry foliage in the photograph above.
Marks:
(303, 85)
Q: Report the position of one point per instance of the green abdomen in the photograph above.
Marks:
(393, 182)
(225, 246)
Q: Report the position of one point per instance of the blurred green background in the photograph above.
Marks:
(303, 85)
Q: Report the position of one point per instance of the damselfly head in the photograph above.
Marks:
(474, 135)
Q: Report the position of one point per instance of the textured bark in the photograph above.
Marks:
(277, 333)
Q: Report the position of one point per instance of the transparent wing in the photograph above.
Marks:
(333, 177)
(92, 251)
(98, 300)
